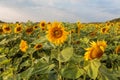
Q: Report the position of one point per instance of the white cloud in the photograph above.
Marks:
(66, 10)
(9, 14)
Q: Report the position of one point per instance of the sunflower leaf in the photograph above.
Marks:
(92, 68)
(65, 54)
(72, 71)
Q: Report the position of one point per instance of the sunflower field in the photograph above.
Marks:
(60, 51)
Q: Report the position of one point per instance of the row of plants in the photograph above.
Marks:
(59, 51)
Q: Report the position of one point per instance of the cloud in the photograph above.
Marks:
(9, 14)
(67, 10)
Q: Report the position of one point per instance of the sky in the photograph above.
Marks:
(59, 10)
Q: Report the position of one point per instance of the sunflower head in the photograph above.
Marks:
(56, 33)
(29, 30)
(107, 24)
(43, 24)
(38, 46)
(96, 50)
(71, 31)
(35, 27)
(18, 29)
(104, 30)
(78, 22)
(23, 46)
(92, 34)
(117, 50)
(6, 28)
(49, 24)
(18, 24)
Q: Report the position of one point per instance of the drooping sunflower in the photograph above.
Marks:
(56, 33)
(38, 46)
(96, 50)
(23, 46)
(18, 29)
(6, 28)
(117, 50)
(29, 30)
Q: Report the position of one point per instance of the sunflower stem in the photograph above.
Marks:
(31, 60)
(84, 77)
(59, 65)
(59, 76)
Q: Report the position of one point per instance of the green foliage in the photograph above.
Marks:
(61, 62)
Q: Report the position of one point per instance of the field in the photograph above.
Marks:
(60, 51)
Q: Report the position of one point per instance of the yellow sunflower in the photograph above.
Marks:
(117, 50)
(56, 33)
(23, 46)
(71, 31)
(43, 24)
(49, 24)
(29, 30)
(104, 30)
(35, 27)
(107, 24)
(6, 29)
(18, 29)
(96, 50)
(38, 46)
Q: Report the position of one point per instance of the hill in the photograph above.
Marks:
(115, 20)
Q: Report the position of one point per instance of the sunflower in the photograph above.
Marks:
(43, 24)
(29, 30)
(117, 50)
(49, 24)
(96, 50)
(93, 34)
(23, 46)
(56, 33)
(6, 29)
(18, 24)
(104, 30)
(43, 28)
(1, 30)
(18, 29)
(38, 46)
(71, 31)
(107, 24)
(35, 27)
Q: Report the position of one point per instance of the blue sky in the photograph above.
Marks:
(59, 10)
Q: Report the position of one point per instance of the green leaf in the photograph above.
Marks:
(41, 40)
(42, 67)
(106, 74)
(27, 74)
(92, 68)
(7, 74)
(65, 54)
(71, 71)
(6, 61)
